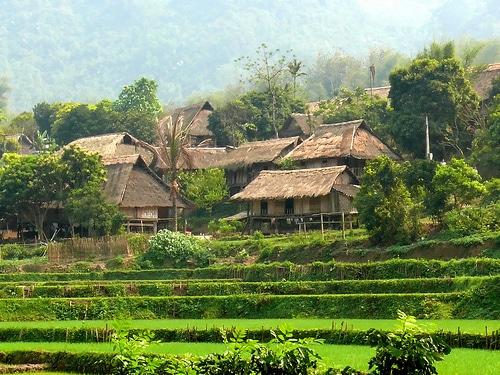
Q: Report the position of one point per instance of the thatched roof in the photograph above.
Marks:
(118, 144)
(346, 139)
(482, 83)
(382, 92)
(205, 157)
(300, 124)
(299, 183)
(196, 116)
(248, 154)
(130, 183)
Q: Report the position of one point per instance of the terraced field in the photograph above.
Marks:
(334, 302)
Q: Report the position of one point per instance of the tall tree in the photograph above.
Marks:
(29, 185)
(294, 68)
(173, 141)
(204, 187)
(139, 97)
(436, 90)
(43, 114)
(268, 71)
(384, 204)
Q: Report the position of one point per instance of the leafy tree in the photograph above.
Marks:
(23, 123)
(439, 91)
(350, 105)
(139, 107)
(230, 122)
(267, 71)
(29, 185)
(139, 97)
(248, 118)
(204, 187)
(86, 206)
(43, 114)
(454, 185)
(486, 142)
(384, 204)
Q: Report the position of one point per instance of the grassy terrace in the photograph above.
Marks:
(465, 326)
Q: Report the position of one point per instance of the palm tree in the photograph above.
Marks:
(294, 69)
(173, 145)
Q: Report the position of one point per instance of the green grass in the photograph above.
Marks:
(459, 362)
(466, 326)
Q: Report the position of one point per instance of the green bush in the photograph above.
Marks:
(18, 252)
(174, 249)
(221, 227)
(138, 243)
(408, 350)
(471, 220)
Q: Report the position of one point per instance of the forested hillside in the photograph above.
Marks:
(86, 50)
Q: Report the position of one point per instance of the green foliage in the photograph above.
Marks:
(408, 350)
(454, 185)
(221, 227)
(167, 248)
(15, 251)
(439, 90)
(281, 355)
(139, 97)
(131, 349)
(473, 219)
(349, 105)
(138, 243)
(204, 187)
(384, 203)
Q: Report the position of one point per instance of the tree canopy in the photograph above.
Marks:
(438, 90)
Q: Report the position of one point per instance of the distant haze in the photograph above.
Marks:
(87, 50)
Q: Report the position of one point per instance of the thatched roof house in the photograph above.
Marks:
(26, 145)
(117, 145)
(140, 194)
(299, 183)
(277, 197)
(347, 143)
(243, 163)
(196, 117)
(301, 125)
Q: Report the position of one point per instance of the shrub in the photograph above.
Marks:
(18, 252)
(224, 227)
(138, 243)
(408, 350)
(174, 249)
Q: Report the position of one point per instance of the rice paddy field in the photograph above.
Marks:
(465, 326)
(458, 362)
(80, 295)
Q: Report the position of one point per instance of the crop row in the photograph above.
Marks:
(392, 269)
(464, 305)
(233, 287)
(213, 335)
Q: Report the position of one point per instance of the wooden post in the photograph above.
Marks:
(343, 225)
(322, 228)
